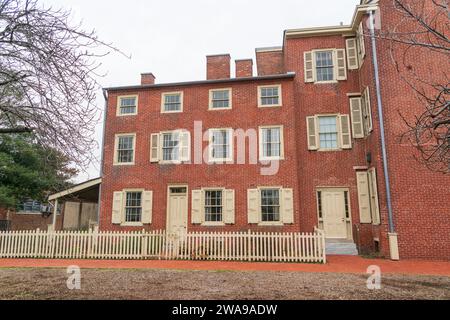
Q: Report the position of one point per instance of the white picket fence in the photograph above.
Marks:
(237, 246)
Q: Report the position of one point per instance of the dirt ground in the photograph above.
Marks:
(47, 283)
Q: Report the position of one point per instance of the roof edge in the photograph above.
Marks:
(75, 188)
(182, 84)
(333, 30)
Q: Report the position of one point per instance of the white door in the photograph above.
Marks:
(177, 210)
(334, 222)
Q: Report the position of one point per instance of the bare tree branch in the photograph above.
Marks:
(48, 72)
(423, 30)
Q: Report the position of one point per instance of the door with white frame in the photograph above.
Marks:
(177, 209)
(334, 215)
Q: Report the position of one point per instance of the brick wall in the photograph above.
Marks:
(270, 62)
(244, 115)
(218, 66)
(419, 196)
(244, 68)
(21, 221)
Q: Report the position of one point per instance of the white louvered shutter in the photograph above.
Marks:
(368, 108)
(287, 206)
(253, 206)
(198, 215)
(154, 147)
(309, 66)
(363, 197)
(185, 146)
(341, 65)
(311, 130)
(361, 43)
(147, 207)
(117, 207)
(352, 54)
(346, 138)
(374, 197)
(357, 117)
(229, 206)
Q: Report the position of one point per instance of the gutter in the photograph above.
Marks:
(393, 243)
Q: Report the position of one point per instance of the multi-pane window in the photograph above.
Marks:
(220, 99)
(324, 66)
(213, 205)
(30, 206)
(127, 105)
(328, 132)
(170, 146)
(271, 142)
(125, 149)
(172, 102)
(270, 95)
(220, 144)
(133, 207)
(270, 205)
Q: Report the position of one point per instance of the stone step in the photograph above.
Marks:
(341, 247)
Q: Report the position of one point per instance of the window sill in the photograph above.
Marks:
(213, 224)
(331, 150)
(126, 115)
(218, 109)
(180, 111)
(30, 212)
(271, 159)
(326, 82)
(124, 164)
(270, 106)
(220, 161)
(173, 162)
(132, 224)
(271, 224)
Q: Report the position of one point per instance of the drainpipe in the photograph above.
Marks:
(105, 96)
(392, 235)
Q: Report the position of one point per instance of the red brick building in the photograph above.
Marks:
(310, 122)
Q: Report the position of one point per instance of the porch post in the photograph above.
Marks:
(55, 210)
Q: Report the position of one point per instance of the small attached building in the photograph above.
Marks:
(80, 206)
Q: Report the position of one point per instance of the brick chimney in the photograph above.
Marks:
(244, 68)
(218, 66)
(147, 78)
(269, 61)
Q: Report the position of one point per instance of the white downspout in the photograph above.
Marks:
(392, 235)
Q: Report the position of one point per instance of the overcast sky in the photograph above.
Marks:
(171, 38)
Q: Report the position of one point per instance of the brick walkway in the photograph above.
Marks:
(338, 264)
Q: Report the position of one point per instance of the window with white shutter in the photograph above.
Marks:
(329, 132)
